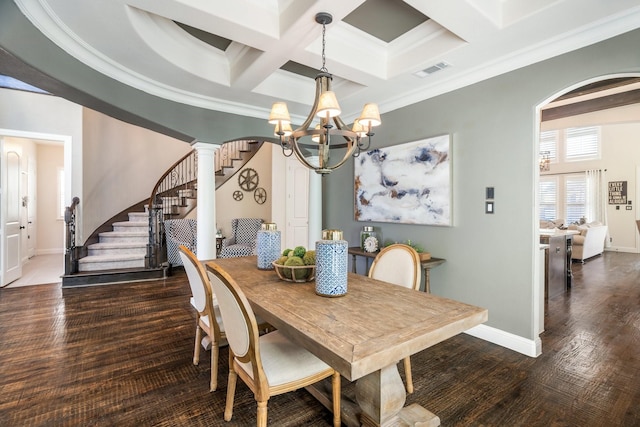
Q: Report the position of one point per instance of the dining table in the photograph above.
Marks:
(362, 334)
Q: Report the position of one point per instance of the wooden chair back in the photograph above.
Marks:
(398, 264)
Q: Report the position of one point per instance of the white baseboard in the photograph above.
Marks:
(531, 348)
(621, 249)
(51, 251)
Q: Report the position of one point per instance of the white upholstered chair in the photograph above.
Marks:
(208, 319)
(398, 264)
(269, 364)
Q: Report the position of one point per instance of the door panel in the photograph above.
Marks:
(297, 209)
(13, 262)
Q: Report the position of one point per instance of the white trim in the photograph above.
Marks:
(50, 251)
(531, 348)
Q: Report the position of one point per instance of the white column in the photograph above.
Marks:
(206, 209)
(315, 207)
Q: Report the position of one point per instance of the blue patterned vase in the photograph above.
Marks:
(268, 246)
(331, 267)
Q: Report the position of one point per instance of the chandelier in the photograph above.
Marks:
(545, 161)
(316, 137)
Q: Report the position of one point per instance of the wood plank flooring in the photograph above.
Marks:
(121, 355)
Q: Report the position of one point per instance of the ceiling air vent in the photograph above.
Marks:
(432, 69)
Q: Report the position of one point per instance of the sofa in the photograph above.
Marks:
(590, 242)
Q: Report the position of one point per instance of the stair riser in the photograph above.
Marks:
(130, 228)
(108, 265)
(122, 239)
(138, 217)
(142, 251)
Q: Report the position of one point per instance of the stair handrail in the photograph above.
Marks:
(181, 175)
(71, 255)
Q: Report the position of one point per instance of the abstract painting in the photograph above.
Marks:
(407, 183)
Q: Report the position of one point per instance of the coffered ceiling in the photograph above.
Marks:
(240, 56)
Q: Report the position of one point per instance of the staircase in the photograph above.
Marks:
(124, 247)
(125, 253)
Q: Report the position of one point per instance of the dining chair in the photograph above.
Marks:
(269, 364)
(208, 319)
(398, 264)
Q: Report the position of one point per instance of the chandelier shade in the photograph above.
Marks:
(323, 137)
(328, 105)
(370, 116)
(279, 114)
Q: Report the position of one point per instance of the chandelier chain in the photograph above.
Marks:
(324, 59)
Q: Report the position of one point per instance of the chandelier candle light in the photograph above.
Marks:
(314, 151)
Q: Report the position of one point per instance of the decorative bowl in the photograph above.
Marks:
(295, 273)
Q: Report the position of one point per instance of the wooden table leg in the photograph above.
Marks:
(381, 397)
(353, 261)
(378, 400)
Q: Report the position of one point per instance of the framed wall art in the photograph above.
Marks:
(407, 183)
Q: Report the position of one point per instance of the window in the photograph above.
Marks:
(11, 83)
(563, 197)
(549, 144)
(575, 144)
(582, 143)
(548, 198)
(575, 197)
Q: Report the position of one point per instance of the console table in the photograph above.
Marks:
(427, 265)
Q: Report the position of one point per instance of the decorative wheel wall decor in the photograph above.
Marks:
(248, 179)
(260, 195)
(237, 195)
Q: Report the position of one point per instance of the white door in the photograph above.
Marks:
(297, 209)
(12, 227)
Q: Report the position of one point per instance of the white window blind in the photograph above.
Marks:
(575, 197)
(549, 143)
(582, 143)
(548, 198)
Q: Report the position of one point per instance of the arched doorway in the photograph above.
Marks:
(610, 102)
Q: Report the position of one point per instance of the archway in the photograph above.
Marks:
(605, 96)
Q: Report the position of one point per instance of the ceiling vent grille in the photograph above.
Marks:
(432, 69)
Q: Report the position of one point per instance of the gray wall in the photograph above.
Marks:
(492, 123)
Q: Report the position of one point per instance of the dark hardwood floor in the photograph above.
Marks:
(121, 355)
